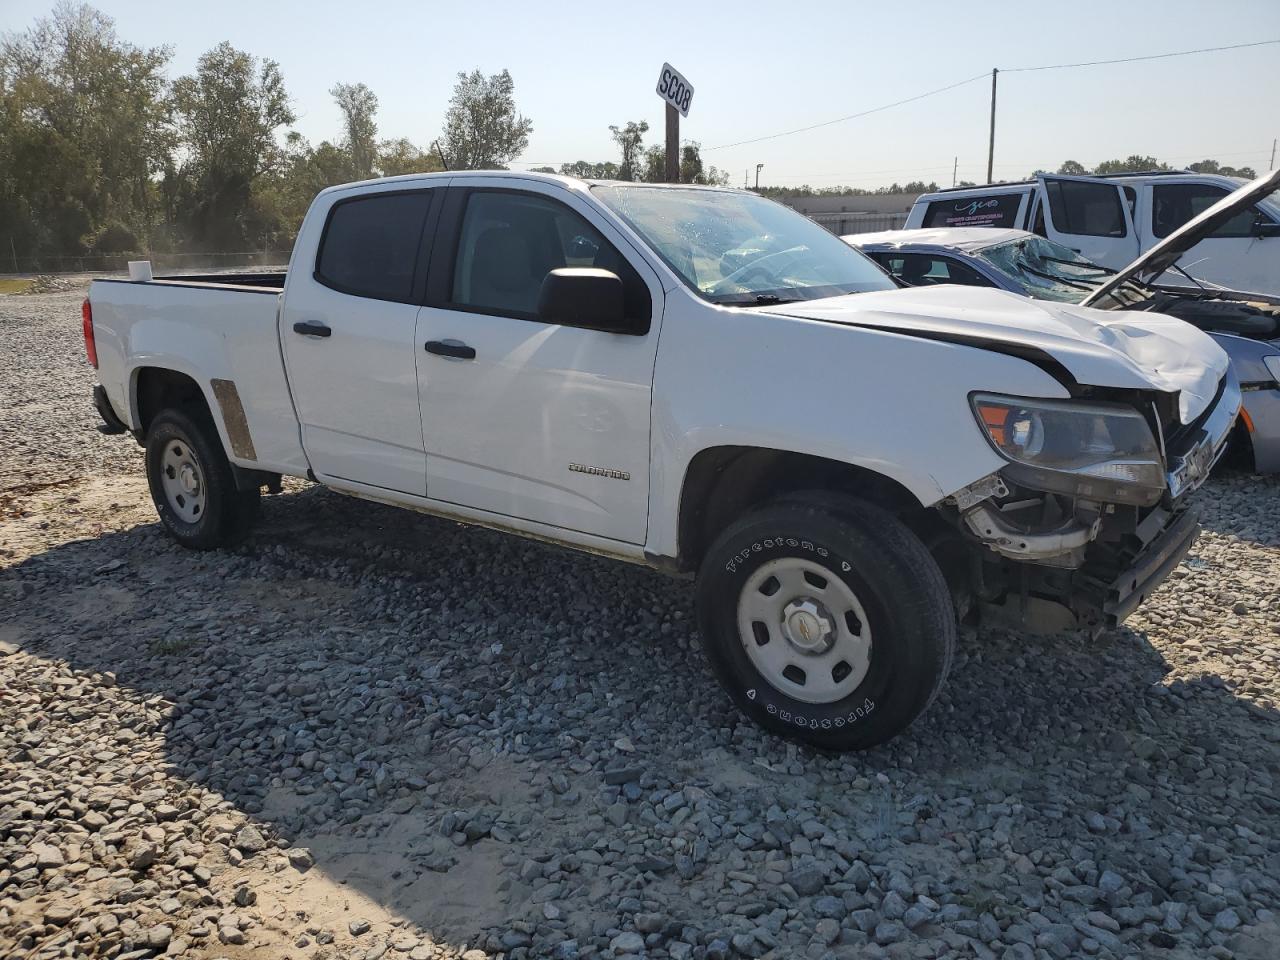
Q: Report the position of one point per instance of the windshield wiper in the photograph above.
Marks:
(1076, 263)
(1200, 285)
(755, 300)
(1080, 284)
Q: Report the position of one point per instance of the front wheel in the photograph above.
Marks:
(827, 620)
(191, 483)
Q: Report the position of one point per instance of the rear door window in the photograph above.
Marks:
(1173, 204)
(923, 269)
(371, 245)
(1085, 208)
(992, 210)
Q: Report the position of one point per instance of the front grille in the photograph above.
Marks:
(1180, 437)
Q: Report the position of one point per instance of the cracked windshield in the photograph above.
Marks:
(1046, 270)
(737, 249)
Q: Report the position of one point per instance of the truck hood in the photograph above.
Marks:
(1130, 350)
(1148, 267)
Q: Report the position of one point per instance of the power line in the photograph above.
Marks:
(1154, 56)
(983, 76)
(852, 116)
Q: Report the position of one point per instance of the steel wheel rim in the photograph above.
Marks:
(805, 630)
(183, 481)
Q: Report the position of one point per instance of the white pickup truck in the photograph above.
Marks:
(696, 379)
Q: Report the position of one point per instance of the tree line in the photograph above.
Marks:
(100, 153)
(642, 163)
(1135, 163)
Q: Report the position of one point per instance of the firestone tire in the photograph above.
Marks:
(827, 621)
(192, 485)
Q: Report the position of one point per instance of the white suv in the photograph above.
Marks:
(1111, 220)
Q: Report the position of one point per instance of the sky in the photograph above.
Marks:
(759, 69)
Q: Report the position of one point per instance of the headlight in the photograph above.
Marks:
(1065, 446)
(1273, 364)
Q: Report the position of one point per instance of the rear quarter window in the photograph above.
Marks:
(993, 210)
(370, 246)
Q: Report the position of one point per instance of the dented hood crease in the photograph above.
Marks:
(1127, 350)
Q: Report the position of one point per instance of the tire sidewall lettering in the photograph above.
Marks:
(792, 716)
(786, 710)
(774, 543)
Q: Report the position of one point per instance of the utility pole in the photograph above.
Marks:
(954, 167)
(758, 166)
(1273, 153)
(677, 93)
(673, 144)
(991, 146)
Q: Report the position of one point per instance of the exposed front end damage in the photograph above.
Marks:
(1043, 557)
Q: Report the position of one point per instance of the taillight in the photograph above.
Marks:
(90, 348)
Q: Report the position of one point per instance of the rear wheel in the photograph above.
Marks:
(827, 620)
(192, 485)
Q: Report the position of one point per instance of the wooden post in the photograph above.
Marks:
(991, 147)
(673, 144)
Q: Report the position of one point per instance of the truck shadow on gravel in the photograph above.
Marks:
(509, 745)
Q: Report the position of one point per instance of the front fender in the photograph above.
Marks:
(890, 403)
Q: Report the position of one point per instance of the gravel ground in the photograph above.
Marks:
(369, 734)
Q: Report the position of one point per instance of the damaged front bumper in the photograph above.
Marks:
(1050, 560)
(1153, 564)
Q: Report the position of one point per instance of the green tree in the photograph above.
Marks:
(229, 111)
(655, 165)
(919, 186)
(1132, 164)
(590, 171)
(359, 108)
(84, 128)
(482, 130)
(692, 169)
(397, 157)
(280, 197)
(1212, 166)
(630, 140)
(1073, 168)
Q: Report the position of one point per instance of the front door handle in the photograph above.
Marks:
(312, 329)
(455, 349)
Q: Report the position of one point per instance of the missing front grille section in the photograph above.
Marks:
(233, 416)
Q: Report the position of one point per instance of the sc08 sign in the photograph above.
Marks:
(675, 89)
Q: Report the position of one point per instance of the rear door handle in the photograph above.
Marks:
(310, 328)
(455, 349)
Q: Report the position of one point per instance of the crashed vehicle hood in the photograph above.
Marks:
(1148, 267)
(1128, 350)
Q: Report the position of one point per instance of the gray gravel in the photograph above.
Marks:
(368, 734)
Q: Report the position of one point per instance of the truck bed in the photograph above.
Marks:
(220, 331)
